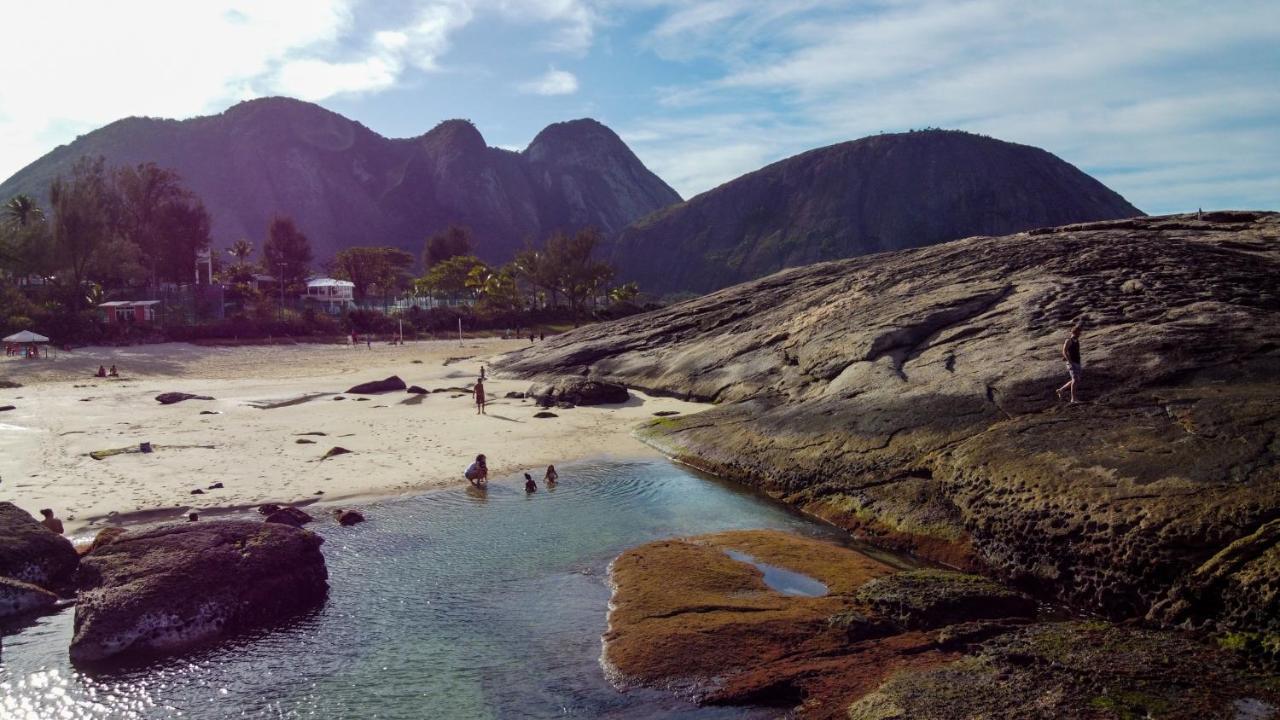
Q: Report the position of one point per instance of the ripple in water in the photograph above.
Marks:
(446, 605)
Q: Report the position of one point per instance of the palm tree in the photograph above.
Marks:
(240, 250)
(22, 210)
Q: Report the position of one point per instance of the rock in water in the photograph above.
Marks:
(289, 516)
(17, 597)
(909, 397)
(30, 552)
(348, 517)
(170, 398)
(391, 384)
(171, 588)
(570, 391)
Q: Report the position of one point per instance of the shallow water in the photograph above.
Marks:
(443, 605)
(787, 582)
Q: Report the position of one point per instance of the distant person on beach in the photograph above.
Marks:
(114, 372)
(51, 522)
(102, 371)
(542, 336)
(551, 477)
(529, 484)
(192, 517)
(478, 472)
(478, 390)
(482, 373)
(1071, 354)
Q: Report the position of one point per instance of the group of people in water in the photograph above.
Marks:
(102, 372)
(477, 473)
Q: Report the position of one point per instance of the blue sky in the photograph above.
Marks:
(1175, 105)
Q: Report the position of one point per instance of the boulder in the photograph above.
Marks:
(268, 508)
(391, 384)
(105, 537)
(416, 390)
(514, 395)
(289, 516)
(335, 451)
(170, 398)
(17, 597)
(6, 408)
(171, 588)
(575, 390)
(923, 599)
(545, 414)
(908, 397)
(348, 517)
(32, 553)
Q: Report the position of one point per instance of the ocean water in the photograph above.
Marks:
(443, 605)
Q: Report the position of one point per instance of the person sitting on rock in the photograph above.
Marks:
(478, 472)
(114, 372)
(51, 522)
(529, 484)
(1071, 354)
(551, 477)
(478, 391)
(102, 371)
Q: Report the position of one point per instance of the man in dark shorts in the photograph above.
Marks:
(1071, 354)
(478, 391)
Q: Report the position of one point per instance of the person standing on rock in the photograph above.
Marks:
(478, 390)
(1071, 354)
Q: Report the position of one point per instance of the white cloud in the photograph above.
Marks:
(553, 82)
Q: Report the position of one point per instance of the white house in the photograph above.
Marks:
(333, 294)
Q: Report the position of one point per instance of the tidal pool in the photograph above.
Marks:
(443, 605)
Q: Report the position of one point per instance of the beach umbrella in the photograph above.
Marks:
(26, 336)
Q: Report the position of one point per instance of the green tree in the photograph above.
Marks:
(624, 293)
(453, 277)
(84, 217)
(579, 276)
(287, 252)
(241, 250)
(163, 218)
(24, 238)
(365, 267)
(22, 211)
(452, 242)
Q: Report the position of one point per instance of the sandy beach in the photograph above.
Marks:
(265, 399)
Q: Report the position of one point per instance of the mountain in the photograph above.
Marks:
(886, 192)
(909, 397)
(346, 185)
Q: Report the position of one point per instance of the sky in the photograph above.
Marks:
(1175, 105)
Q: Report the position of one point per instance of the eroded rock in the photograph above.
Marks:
(571, 391)
(31, 553)
(289, 516)
(17, 597)
(391, 384)
(168, 589)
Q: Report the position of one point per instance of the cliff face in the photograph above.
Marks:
(346, 185)
(909, 397)
(887, 192)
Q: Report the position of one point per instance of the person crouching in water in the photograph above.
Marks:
(478, 472)
(1071, 354)
(529, 484)
(478, 390)
(551, 477)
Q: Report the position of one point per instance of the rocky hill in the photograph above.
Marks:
(346, 185)
(909, 397)
(887, 192)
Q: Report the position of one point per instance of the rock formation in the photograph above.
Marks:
(886, 192)
(30, 552)
(567, 392)
(345, 185)
(17, 597)
(391, 384)
(169, 398)
(166, 589)
(909, 397)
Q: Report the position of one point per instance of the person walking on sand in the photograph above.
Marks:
(50, 522)
(1071, 354)
(551, 477)
(478, 390)
(478, 472)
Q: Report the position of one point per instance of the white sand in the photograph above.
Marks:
(397, 448)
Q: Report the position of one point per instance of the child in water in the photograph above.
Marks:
(551, 477)
(478, 472)
(529, 484)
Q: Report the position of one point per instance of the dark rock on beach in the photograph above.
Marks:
(267, 508)
(30, 552)
(170, 588)
(514, 395)
(545, 414)
(335, 451)
(416, 390)
(170, 398)
(6, 408)
(348, 517)
(572, 391)
(909, 397)
(391, 384)
(289, 516)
